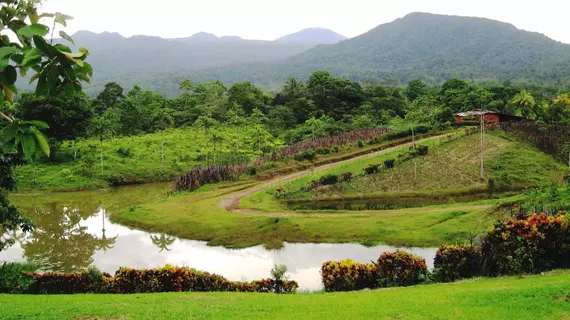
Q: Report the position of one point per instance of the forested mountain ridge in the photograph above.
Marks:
(430, 47)
(424, 46)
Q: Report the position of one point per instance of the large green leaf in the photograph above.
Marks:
(4, 63)
(6, 51)
(41, 141)
(66, 36)
(11, 75)
(32, 56)
(63, 48)
(38, 124)
(10, 132)
(8, 146)
(35, 29)
(28, 145)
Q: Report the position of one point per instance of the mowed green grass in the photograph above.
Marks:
(200, 217)
(533, 297)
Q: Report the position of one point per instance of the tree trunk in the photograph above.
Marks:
(102, 164)
(237, 140)
(75, 151)
(162, 149)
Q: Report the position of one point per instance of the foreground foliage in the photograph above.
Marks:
(537, 297)
(128, 281)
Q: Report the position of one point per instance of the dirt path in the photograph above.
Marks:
(232, 202)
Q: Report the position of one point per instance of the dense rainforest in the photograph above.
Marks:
(257, 122)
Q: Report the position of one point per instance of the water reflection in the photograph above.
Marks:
(73, 232)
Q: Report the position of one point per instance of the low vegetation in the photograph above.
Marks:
(537, 297)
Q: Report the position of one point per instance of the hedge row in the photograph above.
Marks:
(166, 279)
(393, 269)
(524, 244)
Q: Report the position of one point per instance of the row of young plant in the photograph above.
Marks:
(126, 281)
(524, 244)
(304, 150)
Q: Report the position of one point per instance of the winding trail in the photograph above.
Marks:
(232, 201)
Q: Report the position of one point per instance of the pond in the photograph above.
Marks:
(385, 203)
(74, 232)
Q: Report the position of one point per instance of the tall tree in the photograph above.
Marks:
(163, 119)
(523, 103)
(57, 70)
(237, 120)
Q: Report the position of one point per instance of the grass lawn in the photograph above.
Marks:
(533, 297)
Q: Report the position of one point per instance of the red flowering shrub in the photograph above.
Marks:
(166, 279)
(401, 269)
(528, 244)
(56, 283)
(348, 275)
(452, 263)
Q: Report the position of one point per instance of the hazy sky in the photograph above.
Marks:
(270, 19)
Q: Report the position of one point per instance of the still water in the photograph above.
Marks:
(74, 232)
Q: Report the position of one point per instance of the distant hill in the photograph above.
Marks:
(313, 35)
(130, 60)
(426, 46)
(431, 47)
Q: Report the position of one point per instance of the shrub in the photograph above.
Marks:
(422, 150)
(251, 170)
(526, 244)
(124, 152)
(335, 148)
(345, 177)
(372, 168)
(328, 179)
(348, 275)
(166, 279)
(309, 155)
(360, 144)
(299, 156)
(13, 277)
(210, 174)
(389, 163)
(323, 151)
(401, 269)
(452, 263)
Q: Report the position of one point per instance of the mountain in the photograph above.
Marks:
(128, 60)
(313, 35)
(431, 47)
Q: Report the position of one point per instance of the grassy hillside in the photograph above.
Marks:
(535, 297)
(127, 160)
(449, 168)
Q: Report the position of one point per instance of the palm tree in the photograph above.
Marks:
(525, 103)
(99, 128)
(205, 123)
(163, 241)
(293, 87)
(563, 98)
(163, 119)
(217, 137)
(237, 120)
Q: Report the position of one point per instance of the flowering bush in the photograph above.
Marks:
(527, 244)
(166, 279)
(401, 269)
(454, 262)
(348, 275)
